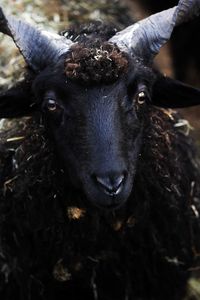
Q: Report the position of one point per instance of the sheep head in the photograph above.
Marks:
(95, 97)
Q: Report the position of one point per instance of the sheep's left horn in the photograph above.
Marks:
(145, 38)
(39, 48)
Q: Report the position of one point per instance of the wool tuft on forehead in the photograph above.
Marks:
(103, 63)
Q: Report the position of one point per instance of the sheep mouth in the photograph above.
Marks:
(110, 191)
(102, 198)
(114, 193)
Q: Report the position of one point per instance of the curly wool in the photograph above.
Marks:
(103, 63)
(139, 244)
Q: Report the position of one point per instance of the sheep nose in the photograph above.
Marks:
(112, 184)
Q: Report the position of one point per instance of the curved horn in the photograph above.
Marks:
(38, 47)
(187, 10)
(145, 38)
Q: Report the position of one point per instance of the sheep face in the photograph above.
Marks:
(97, 131)
(96, 114)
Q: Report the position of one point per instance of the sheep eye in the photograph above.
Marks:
(51, 105)
(141, 97)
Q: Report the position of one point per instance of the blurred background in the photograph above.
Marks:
(179, 59)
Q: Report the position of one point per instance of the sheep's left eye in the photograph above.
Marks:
(51, 105)
(141, 97)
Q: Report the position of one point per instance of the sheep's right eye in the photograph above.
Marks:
(51, 105)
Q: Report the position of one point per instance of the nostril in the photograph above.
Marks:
(112, 185)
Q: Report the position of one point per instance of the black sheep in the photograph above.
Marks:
(100, 199)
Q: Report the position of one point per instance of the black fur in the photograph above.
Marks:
(144, 250)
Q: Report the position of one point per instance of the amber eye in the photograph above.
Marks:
(51, 105)
(141, 98)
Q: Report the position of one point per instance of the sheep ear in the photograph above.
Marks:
(16, 102)
(170, 93)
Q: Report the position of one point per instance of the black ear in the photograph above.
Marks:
(17, 101)
(170, 93)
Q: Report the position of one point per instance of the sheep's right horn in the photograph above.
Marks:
(39, 48)
(145, 38)
(187, 10)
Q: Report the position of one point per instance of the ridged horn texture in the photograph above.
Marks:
(187, 10)
(38, 47)
(145, 38)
